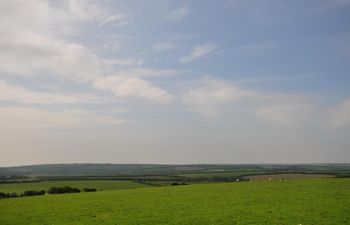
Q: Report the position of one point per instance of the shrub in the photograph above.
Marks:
(89, 190)
(176, 183)
(32, 193)
(2, 195)
(62, 190)
(12, 195)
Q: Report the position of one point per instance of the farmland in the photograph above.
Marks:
(154, 174)
(287, 176)
(100, 185)
(156, 194)
(315, 201)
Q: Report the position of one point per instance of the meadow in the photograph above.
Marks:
(292, 202)
(100, 185)
(288, 176)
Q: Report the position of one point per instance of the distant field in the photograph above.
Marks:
(315, 201)
(220, 174)
(45, 185)
(289, 176)
(120, 170)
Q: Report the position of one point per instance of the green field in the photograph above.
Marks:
(100, 185)
(307, 202)
(288, 176)
(220, 174)
(122, 170)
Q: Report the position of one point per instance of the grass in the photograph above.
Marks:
(220, 174)
(289, 176)
(307, 202)
(45, 185)
(115, 170)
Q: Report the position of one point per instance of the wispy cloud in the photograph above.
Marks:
(29, 118)
(198, 52)
(39, 54)
(85, 10)
(124, 86)
(257, 48)
(119, 20)
(11, 93)
(41, 51)
(126, 62)
(146, 72)
(285, 112)
(210, 96)
(31, 37)
(216, 97)
(340, 114)
(179, 14)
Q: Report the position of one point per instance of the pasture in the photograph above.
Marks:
(314, 201)
(100, 185)
(288, 176)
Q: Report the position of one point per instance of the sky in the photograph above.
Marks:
(164, 81)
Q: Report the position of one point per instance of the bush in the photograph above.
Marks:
(26, 193)
(12, 195)
(176, 183)
(62, 190)
(89, 190)
(2, 195)
(32, 193)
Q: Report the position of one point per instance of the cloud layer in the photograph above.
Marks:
(128, 79)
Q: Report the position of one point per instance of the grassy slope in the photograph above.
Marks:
(220, 174)
(321, 202)
(45, 185)
(289, 176)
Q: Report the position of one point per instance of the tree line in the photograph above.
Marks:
(52, 190)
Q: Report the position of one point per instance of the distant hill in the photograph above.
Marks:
(52, 170)
(95, 169)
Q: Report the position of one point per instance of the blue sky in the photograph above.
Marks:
(230, 81)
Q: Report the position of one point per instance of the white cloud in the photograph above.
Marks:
(214, 91)
(22, 95)
(124, 86)
(340, 115)
(85, 9)
(29, 44)
(146, 72)
(198, 51)
(216, 97)
(179, 14)
(23, 16)
(211, 95)
(126, 62)
(49, 17)
(287, 113)
(121, 19)
(21, 117)
(35, 54)
(32, 118)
